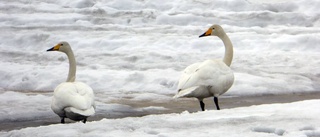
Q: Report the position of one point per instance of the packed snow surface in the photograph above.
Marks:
(142, 46)
(299, 119)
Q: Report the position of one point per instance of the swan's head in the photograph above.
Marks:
(214, 30)
(61, 46)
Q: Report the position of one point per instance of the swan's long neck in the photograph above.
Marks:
(72, 67)
(228, 55)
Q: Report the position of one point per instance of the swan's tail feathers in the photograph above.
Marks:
(186, 92)
(78, 114)
(87, 112)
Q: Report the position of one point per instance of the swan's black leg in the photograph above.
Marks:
(201, 105)
(62, 120)
(216, 102)
(84, 120)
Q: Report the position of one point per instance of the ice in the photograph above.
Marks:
(137, 49)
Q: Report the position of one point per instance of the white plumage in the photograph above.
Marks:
(73, 100)
(212, 77)
(209, 78)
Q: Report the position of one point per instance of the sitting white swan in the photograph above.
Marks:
(211, 77)
(73, 100)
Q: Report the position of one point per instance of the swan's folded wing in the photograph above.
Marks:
(87, 112)
(186, 92)
(188, 79)
(207, 73)
(73, 94)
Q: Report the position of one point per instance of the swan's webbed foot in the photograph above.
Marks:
(84, 120)
(215, 99)
(202, 105)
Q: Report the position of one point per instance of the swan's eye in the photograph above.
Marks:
(61, 44)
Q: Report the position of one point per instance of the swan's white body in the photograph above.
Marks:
(209, 78)
(206, 79)
(73, 100)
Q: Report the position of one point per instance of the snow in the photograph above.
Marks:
(299, 119)
(137, 49)
(14, 105)
(143, 46)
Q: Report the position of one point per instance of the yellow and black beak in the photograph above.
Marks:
(55, 48)
(207, 33)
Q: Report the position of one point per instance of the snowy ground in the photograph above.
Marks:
(299, 119)
(136, 50)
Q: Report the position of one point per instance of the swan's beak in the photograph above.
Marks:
(207, 33)
(55, 48)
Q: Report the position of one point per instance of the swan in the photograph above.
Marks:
(73, 100)
(212, 77)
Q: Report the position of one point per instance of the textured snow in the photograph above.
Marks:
(138, 49)
(299, 119)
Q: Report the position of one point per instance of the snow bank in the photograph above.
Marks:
(22, 107)
(293, 119)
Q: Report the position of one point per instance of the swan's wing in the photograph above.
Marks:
(73, 94)
(211, 73)
(216, 75)
(87, 112)
(186, 92)
(187, 78)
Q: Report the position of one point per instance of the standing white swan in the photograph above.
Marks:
(73, 100)
(212, 77)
